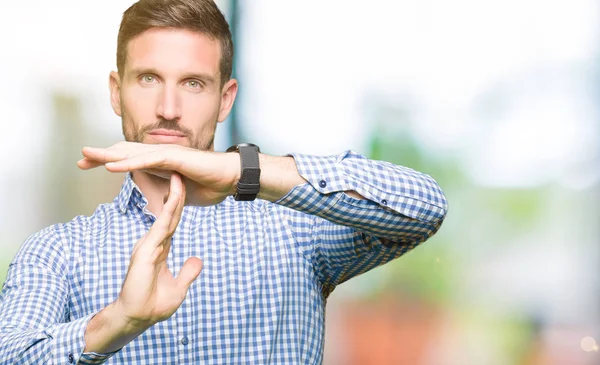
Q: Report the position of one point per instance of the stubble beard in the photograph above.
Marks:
(133, 133)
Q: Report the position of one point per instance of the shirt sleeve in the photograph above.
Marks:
(347, 236)
(35, 327)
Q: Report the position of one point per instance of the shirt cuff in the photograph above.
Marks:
(68, 342)
(88, 358)
(395, 188)
(324, 178)
(324, 173)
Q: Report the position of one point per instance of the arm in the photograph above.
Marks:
(401, 209)
(380, 198)
(370, 212)
(280, 175)
(150, 292)
(34, 321)
(214, 175)
(34, 317)
(397, 197)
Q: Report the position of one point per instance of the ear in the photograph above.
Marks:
(115, 92)
(228, 94)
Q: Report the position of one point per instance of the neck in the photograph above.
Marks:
(154, 188)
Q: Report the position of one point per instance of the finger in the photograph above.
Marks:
(180, 204)
(139, 243)
(86, 164)
(159, 235)
(189, 272)
(104, 155)
(165, 225)
(151, 160)
(163, 174)
(177, 184)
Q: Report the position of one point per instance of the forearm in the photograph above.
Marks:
(278, 176)
(83, 340)
(36, 326)
(401, 204)
(400, 208)
(56, 343)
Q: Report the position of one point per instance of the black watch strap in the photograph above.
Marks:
(249, 183)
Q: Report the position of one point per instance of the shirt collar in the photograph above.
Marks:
(130, 194)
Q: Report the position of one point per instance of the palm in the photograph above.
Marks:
(150, 292)
(209, 177)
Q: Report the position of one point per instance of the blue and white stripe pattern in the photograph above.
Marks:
(268, 268)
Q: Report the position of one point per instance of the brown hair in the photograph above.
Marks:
(201, 16)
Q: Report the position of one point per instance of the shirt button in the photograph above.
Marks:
(384, 202)
(71, 358)
(184, 340)
(322, 183)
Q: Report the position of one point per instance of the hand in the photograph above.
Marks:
(150, 292)
(209, 176)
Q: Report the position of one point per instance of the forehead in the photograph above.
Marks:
(171, 50)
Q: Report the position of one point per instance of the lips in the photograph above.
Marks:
(166, 132)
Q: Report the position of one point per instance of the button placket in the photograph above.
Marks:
(180, 251)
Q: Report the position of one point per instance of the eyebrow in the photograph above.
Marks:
(208, 79)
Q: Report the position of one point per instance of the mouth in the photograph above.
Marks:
(166, 136)
(166, 132)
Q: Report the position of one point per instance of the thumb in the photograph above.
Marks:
(189, 272)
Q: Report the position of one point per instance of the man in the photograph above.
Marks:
(273, 236)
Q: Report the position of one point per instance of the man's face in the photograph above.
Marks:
(171, 89)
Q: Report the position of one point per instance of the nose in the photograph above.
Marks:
(169, 106)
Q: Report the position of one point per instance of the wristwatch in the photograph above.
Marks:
(249, 184)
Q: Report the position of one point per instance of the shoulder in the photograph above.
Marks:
(58, 239)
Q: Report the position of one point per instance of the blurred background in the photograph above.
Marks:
(498, 100)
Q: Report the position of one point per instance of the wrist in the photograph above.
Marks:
(110, 330)
(247, 181)
(235, 171)
(123, 322)
(279, 175)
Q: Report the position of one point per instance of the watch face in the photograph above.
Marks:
(236, 147)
